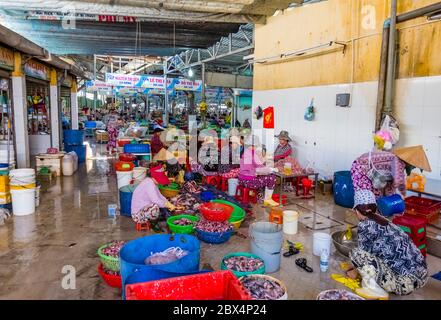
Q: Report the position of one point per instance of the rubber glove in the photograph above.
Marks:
(170, 206)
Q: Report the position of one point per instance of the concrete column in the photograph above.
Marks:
(55, 110)
(20, 114)
(74, 105)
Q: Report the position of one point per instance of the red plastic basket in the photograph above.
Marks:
(111, 280)
(415, 228)
(124, 166)
(219, 285)
(216, 211)
(122, 143)
(127, 157)
(424, 208)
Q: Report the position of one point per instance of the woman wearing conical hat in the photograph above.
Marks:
(384, 172)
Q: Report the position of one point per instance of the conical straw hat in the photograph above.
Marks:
(163, 155)
(414, 156)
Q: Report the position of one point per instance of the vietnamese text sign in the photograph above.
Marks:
(6, 58)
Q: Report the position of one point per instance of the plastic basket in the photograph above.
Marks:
(124, 166)
(238, 213)
(239, 274)
(111, 263)
(73, 137)
(90, 124)
(123, 142)
(214, 237)
(111, 280)
(237, 224)
(137, 148)
(127, 157)
(424, 208)
(219, 285)
(168, 192)
(181, 229)
(216, 211)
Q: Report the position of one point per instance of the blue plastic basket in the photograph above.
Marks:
(214, 237)
(125, 199)
(133, 254)
(73, 137)
(388, 206)
(137, 148)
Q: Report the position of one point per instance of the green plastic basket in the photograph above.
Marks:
(108, 262)
(181, 229)
(243, 254)
(238, 213)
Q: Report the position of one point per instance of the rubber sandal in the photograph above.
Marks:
(302, 263)
(292, 251)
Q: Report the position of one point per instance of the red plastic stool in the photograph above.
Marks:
(243, 195)
(212, 180)
(224, 184)
(143, 226)
(307, 185)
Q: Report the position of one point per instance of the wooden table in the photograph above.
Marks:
(283, 177)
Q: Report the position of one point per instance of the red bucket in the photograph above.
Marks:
(276, 198)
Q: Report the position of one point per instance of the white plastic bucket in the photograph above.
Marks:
(23, 201)
(19, 177)
(68, 165)
(290, 222)
(321, 241)
(139, 173)
(124, 178)
(232, 186)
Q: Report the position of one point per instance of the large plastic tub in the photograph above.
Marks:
(219, 285)
(134, 253)
(73, 137)
(80, 150)
(390, 205)
(343, 189)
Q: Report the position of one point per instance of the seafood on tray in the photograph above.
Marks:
(243, 264)
(113, 248)
(261, 288)
(213, 226)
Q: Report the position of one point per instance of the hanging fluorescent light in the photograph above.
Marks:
(190, 73)
(434, 16)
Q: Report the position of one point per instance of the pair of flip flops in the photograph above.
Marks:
(302, 263)
(292, 251)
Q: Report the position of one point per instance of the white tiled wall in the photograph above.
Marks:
(338, 135)
(418, 110)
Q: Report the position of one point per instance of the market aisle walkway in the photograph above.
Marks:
(72, 222)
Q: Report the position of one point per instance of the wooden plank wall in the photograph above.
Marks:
(357, 22)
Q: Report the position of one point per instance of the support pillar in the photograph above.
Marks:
(55, 110)
(74, 105)
(20, 114)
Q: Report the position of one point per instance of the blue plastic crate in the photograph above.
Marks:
(73, 137)
(90, 124)
(137, 148)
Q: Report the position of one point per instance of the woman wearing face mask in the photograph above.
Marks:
(386, 257)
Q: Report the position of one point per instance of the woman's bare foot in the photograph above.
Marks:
(353, 274)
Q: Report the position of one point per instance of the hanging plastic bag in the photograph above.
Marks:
(310, 113)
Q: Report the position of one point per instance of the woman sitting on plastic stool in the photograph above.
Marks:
(147, 199)
(386, 257)
(253, 172)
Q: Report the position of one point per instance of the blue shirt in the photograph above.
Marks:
(393, 246)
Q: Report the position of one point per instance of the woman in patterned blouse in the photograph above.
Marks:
(385, 253)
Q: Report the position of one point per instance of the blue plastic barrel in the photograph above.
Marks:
(343, 189)
(134, 253)
(79, 150)
(73, 137)
(390, 205)
(125, 199)
(137, 148)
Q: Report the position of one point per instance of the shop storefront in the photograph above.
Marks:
(6, 67)
(65, 102)
(38, 106)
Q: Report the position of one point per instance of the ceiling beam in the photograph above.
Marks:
(94, 8)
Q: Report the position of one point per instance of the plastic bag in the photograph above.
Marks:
(310, 113)
(168, 256)
(390, 125)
